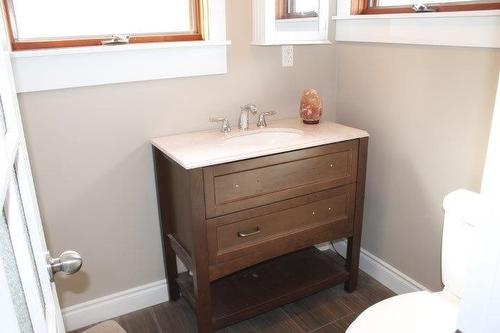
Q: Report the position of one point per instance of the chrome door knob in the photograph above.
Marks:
(68, 262)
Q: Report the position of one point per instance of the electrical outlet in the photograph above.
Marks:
(287, 56)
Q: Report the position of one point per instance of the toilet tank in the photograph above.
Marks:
(464, 213)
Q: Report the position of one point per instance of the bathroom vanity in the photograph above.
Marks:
(244, 210)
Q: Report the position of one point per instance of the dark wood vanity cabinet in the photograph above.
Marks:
(246, 230)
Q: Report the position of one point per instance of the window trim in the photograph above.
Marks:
(72, 67)
(362, 7)
(17, 45)
(476, 29)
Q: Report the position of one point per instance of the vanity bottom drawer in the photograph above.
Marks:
(240, 240)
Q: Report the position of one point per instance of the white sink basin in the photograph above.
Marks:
(265, 136)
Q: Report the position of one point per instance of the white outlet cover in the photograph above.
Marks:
(287, 55)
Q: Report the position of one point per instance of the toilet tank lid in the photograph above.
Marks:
(469, 207)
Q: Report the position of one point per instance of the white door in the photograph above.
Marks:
(28, 299)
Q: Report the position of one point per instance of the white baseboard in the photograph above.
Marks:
(118, 304)
(381, 271)
(114, 305)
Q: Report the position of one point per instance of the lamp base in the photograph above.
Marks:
(310, 122)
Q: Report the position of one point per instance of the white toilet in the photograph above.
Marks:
(426, 312)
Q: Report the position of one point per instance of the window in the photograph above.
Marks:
(36, 24)
(405, 6)
(287, 9)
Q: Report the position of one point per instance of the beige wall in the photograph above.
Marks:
(428, 110)
(92, 161)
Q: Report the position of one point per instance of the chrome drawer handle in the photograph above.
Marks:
(248, 234)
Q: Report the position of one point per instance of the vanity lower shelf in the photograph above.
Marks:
(268, 285)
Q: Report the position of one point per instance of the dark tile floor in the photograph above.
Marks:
(329, 311)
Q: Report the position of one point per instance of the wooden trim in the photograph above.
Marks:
(281, 9)
(359, 7)
(81, 42)
(196, 11)
(19, 46)
(9, 19)
(201, 20)
(362, 7)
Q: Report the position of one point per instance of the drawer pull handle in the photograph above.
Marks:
(249, 233)
(332, 165)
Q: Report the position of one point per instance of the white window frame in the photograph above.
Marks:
(269, 31)
(49, 69)
(470, 29)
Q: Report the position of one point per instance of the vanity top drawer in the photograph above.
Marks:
(252, 183)
(284, 227)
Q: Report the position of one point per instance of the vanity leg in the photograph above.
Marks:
(352, 264)
(354, 242)
(202, 285)
(203, 305)
(171, 271)
(169, 257)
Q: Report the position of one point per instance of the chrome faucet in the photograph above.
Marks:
(244, 115)
(226, 127)
(261, 123)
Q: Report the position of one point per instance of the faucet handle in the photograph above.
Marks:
(252, 108)
(261, 123)
(226, 127)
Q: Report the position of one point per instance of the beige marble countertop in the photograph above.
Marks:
(205, 148)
